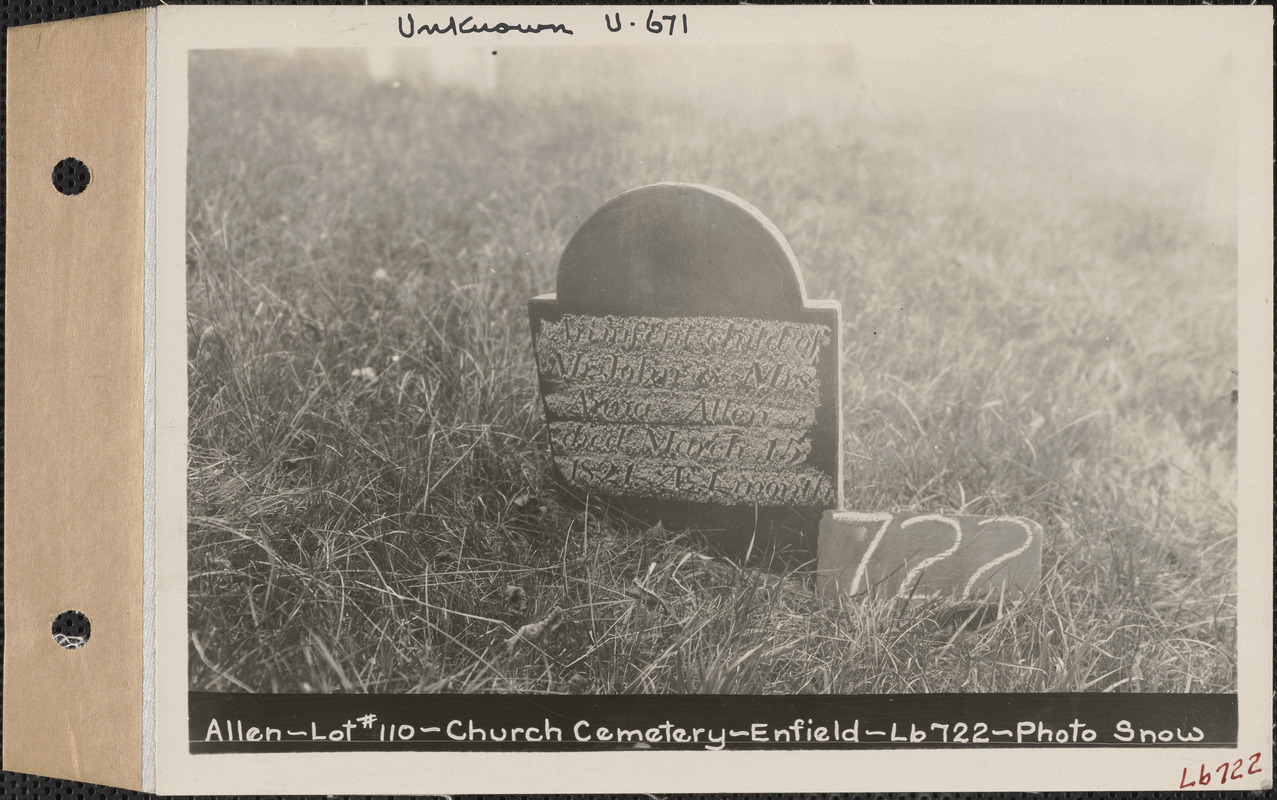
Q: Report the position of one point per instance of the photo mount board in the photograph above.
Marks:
(74, 407)
(44, 544)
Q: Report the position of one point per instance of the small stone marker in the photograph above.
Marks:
(684, 373)
(928, 555)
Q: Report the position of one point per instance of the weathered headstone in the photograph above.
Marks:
(906, 556)
(684, 374)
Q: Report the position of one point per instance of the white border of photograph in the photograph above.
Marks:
(181, 29)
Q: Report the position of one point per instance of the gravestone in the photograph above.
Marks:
(959, 557)
(685, 376)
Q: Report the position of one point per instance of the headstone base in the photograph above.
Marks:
(776, 538)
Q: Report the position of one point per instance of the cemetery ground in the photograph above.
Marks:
(1035, 324)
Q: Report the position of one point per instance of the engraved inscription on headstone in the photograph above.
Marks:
(715, 410)
(906, 556)
(680, 362)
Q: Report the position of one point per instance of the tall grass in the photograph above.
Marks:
(1032, 326)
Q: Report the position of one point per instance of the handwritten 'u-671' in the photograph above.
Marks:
(468, 25)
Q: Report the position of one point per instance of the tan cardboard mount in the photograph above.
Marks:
(80, 489)
(73, 489)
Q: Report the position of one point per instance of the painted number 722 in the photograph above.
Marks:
(1226, 772)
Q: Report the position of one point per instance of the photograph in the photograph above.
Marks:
(849, 366)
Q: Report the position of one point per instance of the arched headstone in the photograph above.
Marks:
(683, 372)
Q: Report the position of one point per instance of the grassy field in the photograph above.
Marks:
(1035, 323)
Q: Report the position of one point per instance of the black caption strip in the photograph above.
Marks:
(248, 723)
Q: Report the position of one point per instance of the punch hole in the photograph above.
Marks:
(71, 176)
(71, 630)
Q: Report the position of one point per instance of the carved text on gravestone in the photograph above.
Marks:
(704, 409)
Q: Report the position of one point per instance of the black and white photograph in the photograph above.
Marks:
(572, 399)
(846, 367)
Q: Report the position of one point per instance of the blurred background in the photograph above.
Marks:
(1152, 105)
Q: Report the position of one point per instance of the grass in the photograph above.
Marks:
(1035, 323)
